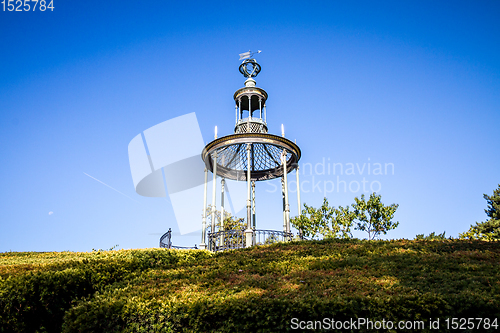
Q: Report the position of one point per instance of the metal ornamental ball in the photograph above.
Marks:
(250, 68)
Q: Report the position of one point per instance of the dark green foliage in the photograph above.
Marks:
(490, 229)
(493, 202)
(431, 236)
(250, 290)
(38, 299)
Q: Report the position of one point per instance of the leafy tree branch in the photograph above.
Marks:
(371, 216)
(490, 229)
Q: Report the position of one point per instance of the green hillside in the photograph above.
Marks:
(261, 289)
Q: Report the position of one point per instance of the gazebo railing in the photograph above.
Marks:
(271, 236)
(166, 239)
(231, 239)
(226, 240)
(166, 242)
(235, 239)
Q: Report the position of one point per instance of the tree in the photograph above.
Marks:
(490, 229)
(230, 222)
(327, 221)
(493, 203)
(373, 217)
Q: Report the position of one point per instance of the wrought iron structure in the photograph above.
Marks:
(166, 242)
(226, 240)
(251, 154)
(236, 239)
(166, 239)
(271, 236)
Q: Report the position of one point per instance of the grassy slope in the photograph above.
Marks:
(257, 289)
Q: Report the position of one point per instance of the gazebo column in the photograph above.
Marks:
(240, 111)
(203, 244)
(253, 211)
(249, 231)
(298, 197)
(249, 113)
(212, 243)
(260, 113)
(287, 206)
(222, 184)
(260, 107)
(253, 204)
(284, 203)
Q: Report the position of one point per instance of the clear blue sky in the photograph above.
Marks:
(412, 83)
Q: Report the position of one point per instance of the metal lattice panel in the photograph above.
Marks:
(251, 127)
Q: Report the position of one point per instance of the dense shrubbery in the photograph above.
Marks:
(250, 290)
(36, 289)
(432, 236)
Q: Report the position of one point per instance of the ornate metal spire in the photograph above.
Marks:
(249, 67)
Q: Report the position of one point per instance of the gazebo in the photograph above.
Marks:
(250, 154)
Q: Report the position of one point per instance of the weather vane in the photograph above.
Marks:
(249, 67)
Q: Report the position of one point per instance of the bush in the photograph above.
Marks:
(251, 290)
(38, 300)
(431, 236)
